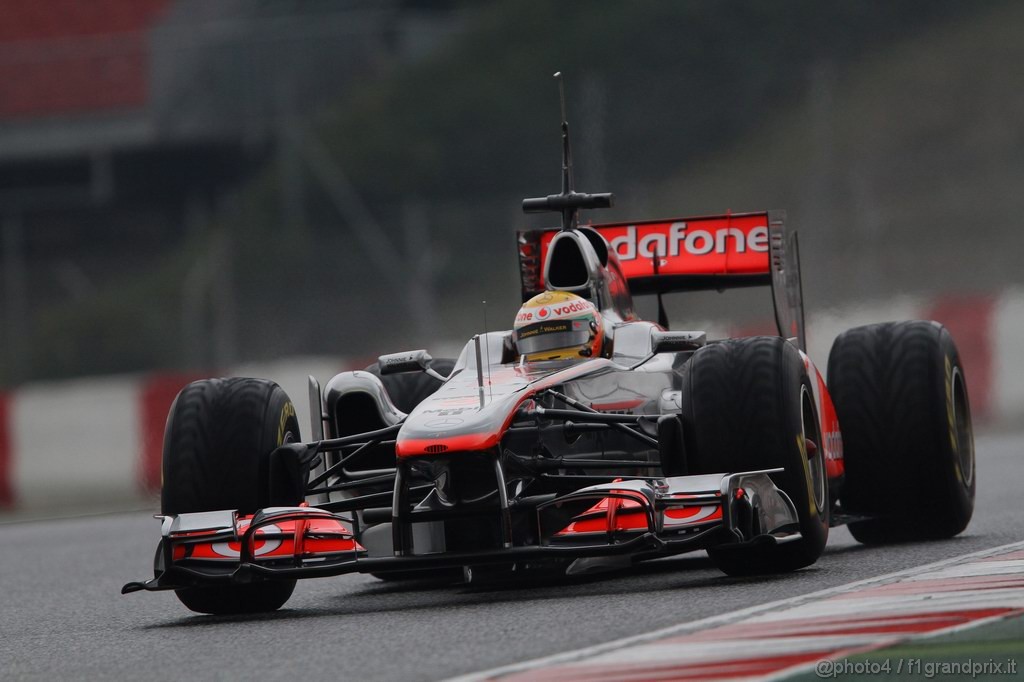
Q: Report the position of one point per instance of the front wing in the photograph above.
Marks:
(633, 519)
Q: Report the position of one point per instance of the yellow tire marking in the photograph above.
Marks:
(951, 421)
(287, 412)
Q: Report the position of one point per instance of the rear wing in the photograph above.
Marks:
(693, 254)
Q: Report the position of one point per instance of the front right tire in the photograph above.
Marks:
(217, 445)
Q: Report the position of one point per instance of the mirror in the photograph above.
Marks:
(677, 342)
(406, 361)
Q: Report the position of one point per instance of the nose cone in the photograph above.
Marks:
(453, 419)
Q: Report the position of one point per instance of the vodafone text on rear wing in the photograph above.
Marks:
(692, 254)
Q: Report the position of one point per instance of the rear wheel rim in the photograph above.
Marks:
(815, 463)
(963, 433)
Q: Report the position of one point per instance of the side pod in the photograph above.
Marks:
(357, 402)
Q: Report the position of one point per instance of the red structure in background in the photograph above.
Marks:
(6, 473)
(68, 56)
(156, 396)
(969, 319)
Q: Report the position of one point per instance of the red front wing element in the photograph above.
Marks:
(617, 515)
(291, 539)
(630, 517)
(275, 538)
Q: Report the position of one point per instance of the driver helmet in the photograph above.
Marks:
(557, 325)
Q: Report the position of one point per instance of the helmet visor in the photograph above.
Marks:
(547, 336)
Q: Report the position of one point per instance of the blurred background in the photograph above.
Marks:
(192, 185)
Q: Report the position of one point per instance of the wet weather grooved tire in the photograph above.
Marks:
(748, 405)
(901, 399)
(217, 445)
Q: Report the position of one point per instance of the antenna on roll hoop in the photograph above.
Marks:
(568, 186)
(569, 202)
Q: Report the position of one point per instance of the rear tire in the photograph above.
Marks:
(901, 399)
(217, 445)
(748, 405)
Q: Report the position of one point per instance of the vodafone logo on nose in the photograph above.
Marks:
(542, 313)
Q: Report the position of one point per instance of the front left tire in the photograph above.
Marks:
(748, 405)
(901, 397)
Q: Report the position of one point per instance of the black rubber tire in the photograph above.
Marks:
(217, 445)
(901, 399)
(409, 389)
(746, 405)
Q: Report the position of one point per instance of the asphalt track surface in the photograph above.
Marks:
(61, 614)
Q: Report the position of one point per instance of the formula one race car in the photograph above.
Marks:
(582, 439)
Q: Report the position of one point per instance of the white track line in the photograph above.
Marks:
(693, 626)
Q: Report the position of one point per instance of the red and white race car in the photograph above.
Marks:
(582, 439)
